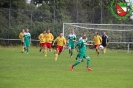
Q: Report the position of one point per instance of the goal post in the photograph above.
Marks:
(120, 35)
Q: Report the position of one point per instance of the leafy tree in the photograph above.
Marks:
(4, 3)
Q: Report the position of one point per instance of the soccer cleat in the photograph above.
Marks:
(71, 68)
(88, 69)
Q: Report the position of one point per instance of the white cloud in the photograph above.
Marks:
(132, 7)
(129, 0)
(28, 1)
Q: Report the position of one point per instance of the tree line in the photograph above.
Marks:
(17, 14)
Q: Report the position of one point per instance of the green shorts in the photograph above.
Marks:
(71, 46)
(26, 44)
(82, 55)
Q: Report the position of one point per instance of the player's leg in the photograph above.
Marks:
(104, 49)
(72, 49)
(97, 49)
(76, 57)
(69, 48)
(56, 52)
(77, 62)
(25, 48)
(88, 63)
(40, 47)
(22, 43)
(47, 45)
(71, 52)
(45, 49)
(60, 49)
(50, 47)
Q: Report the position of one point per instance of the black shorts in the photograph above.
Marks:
(104, 45)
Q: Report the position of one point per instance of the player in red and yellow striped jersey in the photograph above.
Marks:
(42, 39)
(97, 41)
(22, 39)
(49, 39)
(61, 42)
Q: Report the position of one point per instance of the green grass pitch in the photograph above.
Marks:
(111, 70)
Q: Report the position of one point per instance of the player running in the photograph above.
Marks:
(97, 41)
(104, 41)
(61, 42)
(22, 39)
(41, 37)
(81, 48)
(27, 40)
(49, 39)
(71, 44)
(84, 34)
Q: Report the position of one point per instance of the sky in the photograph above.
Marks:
(132, 7)
(28, 1)
(130, 0)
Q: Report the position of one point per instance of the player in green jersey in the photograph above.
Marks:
(85, 40)
(81, 48)
(71, 44)
(27, 40)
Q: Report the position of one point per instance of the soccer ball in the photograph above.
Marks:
(101, 47)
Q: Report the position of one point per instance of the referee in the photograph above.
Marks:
(104, 41)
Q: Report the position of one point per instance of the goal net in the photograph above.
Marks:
(120, 35)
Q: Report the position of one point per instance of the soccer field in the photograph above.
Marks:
(18, 70)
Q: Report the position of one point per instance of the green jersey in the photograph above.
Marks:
(27, 37)
(72, 37)
(81, 46)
